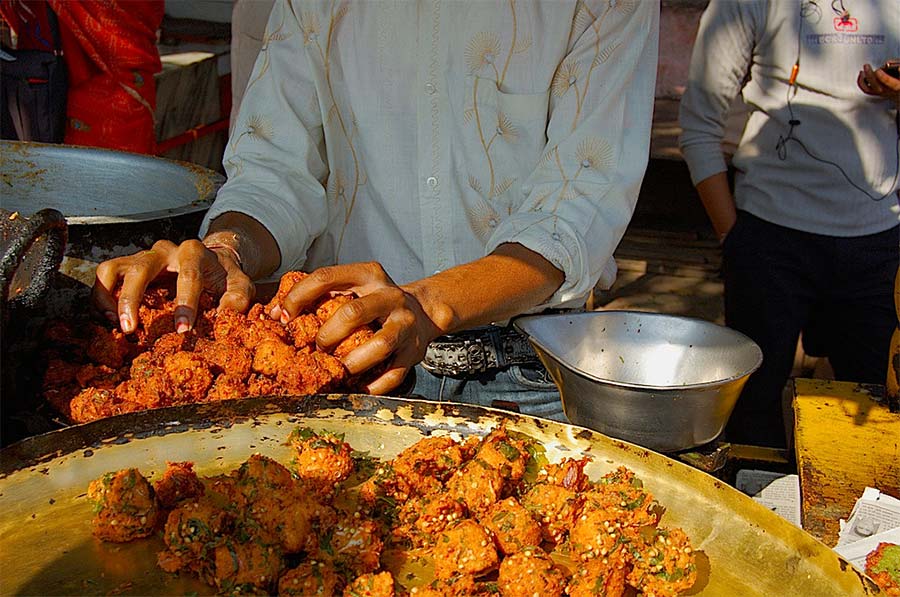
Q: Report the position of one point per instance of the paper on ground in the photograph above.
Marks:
(780, 493)
(874, 513)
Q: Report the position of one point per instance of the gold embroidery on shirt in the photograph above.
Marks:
(309, 25)
(483, 219)
(256, 126)
(592, 153)
(269, 38)
(568, 73)
(481, 53)
(566, 77)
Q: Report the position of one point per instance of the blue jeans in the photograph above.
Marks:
(526, 387)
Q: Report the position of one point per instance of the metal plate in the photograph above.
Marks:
(100, 186)
(46, 546)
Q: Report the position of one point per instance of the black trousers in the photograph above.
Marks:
(838, 291)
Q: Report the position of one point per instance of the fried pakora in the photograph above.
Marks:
(442, 518)
(371, 585)
(465, 548)
(125, 506)
(883, 565)
(179, 482)
(95, 372)
(530, 572)
(513, 527)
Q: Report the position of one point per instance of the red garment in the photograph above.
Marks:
(111, 55)
(111, 58)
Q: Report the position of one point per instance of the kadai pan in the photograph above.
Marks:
(46, 547)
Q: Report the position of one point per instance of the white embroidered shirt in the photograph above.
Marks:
(424, 134)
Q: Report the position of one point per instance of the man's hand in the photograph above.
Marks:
(198, 269)
(406, 330)
(509, 281)
(715, 194)
(879, 83)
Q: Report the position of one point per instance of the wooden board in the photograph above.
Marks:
(845, 441)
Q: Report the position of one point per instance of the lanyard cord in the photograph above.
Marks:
(793, 122)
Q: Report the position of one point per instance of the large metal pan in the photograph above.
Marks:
(100, 186)
(46, 546)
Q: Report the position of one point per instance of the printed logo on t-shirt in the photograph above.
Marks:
(852, 39)
(846, 24)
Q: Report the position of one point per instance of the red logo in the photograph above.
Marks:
(846, 25)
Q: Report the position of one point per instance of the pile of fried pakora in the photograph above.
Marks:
(95, 371)
(883, 565)
(484, 518)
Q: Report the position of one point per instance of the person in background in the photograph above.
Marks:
(453, 165)
(810, 233)
(33, 78)
(111, 58)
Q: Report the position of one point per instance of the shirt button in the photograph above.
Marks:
(429, 88)
(431, 181)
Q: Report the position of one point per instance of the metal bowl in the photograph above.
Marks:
(661, 381)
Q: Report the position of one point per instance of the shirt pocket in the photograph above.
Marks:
(505, 135)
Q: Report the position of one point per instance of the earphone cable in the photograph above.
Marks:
(781, 145)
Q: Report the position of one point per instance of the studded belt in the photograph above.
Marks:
(478, 350)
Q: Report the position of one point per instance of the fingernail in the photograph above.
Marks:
(182, 325)
(275, 313)
(110, 316)
(125, 322)
(284, 317)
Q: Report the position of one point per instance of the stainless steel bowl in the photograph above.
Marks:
(661, 381)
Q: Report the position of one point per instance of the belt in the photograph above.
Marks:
(478, 350)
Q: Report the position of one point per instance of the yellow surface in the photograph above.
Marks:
(845, 441)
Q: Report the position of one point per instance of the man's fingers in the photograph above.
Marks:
(188, 287)
(389, 380)
(308, 290)
(872, 82)
(405, 359)
(239, 290)
(360, 278)
(359, 312)
(196, 268)
(142, 268)
(862, 83)
(106, 278)
(386, 341)
(886, 81)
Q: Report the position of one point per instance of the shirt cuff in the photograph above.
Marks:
(704, 159)
(285, 225)
(556, 241)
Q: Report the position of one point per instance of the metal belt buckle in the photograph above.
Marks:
(477, 351)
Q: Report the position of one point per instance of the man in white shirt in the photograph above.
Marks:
(462, 162)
